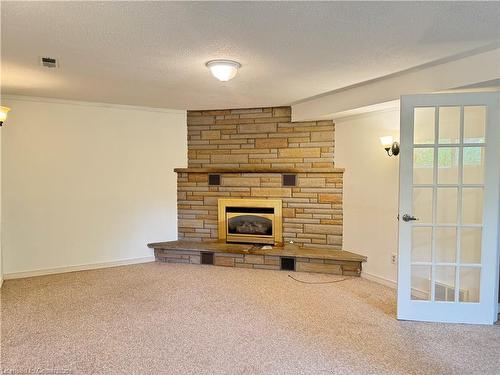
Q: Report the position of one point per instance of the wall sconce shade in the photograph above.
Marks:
(3, 114)
(390, 146)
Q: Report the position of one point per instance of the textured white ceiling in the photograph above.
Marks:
(153, 53)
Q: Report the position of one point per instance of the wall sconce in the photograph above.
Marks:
(3, 114)
(391, 147)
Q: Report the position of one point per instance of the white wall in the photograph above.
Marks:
(1, 271)
(370, 189)
(87, 183)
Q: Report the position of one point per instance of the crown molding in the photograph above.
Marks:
(91, 104)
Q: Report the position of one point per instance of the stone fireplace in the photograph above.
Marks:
(259, 154)
(254, 176)
(256, 221)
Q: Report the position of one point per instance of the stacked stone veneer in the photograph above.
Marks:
(312, 211)
(269, 262)
(263, 137)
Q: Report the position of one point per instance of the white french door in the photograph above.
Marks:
(448, 265)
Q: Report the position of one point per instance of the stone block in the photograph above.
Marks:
(198, 177)
(334, 269)
(210, 201)
(240, 181)
(271, 192)
(214, 112)
(210, 134)
(190, 223)
(229, 159)
(246, 110)
(323, 229)
(311, 182)
(347, 271)
(171, 260)
(200, 120)
(195, 259)
(230, 255)
(330, 198)
(288, 212)
(334, 239)
(223, 261)
(254, 259)
(272, 260)
(322, 136)
(257, 128)
(331, 221)
(282, 112)
(300, 152)
(271, 143)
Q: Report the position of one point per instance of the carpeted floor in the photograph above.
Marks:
(187, 319)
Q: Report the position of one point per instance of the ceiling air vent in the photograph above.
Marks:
(49, 62)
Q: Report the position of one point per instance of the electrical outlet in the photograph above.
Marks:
(394, 258)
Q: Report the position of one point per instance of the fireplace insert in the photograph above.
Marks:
(250, 221)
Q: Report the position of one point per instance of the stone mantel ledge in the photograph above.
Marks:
(259, 170)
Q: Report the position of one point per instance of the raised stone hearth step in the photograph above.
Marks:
(307, 259)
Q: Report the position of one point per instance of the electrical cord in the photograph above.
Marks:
(316, 282)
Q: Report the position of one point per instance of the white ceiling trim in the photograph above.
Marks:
(367, 111)
(450, 75)
(91, 104)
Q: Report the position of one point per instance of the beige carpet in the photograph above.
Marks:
(179, 319)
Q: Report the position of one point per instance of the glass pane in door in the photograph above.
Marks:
(472, 205)
(449, 125)
(422, 204)
(424, 125)
(474, 124)
(446, 244)
(448, 160)
(421, 283)
(446, 205)
(421, 244)
(473, 165)
(444, 284)
(470, 278)
(423, 165)
(470, 245)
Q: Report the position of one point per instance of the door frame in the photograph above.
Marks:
(486, 311)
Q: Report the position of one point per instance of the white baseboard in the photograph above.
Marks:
(392, 284)
(380, 280)
(80, 267)
(1, 281)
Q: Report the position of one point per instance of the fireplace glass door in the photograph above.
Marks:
(250, 227)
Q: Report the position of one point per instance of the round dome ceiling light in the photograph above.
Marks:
(223, 70)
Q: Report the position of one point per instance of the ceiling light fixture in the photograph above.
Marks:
(223, 70)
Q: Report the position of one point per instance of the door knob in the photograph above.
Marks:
(407, 217)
